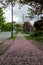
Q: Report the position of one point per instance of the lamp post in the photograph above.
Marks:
(23, 17)
(12, 22)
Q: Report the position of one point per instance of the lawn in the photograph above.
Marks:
(37, 39)
(31, 37)
(40, 39)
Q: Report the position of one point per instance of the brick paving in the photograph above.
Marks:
(22, 52)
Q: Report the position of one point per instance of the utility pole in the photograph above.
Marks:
(12, 22)
(23, 17)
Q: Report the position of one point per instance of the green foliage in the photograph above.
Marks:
(18, 27)
(39, 26)
(7, 27)
(37, 34)
(2, 19)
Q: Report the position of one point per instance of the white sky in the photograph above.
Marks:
(17, 14)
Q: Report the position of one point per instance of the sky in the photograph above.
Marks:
(17, 14)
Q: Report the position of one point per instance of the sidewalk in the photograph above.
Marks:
(22, 52)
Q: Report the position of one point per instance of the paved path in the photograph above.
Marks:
(22, 52)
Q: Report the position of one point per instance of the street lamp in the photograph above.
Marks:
(12, 22)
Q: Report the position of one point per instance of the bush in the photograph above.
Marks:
(7, 27)
(35, 34)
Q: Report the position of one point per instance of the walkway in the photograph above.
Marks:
(22, 52)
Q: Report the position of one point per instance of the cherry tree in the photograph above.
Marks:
(34, 9)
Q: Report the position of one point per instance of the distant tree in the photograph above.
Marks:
(27, 27)
(18, 27)
(7, 27)
(2, 19)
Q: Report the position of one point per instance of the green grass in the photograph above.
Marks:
(37, 39)
(40, 39)
(32, 37)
